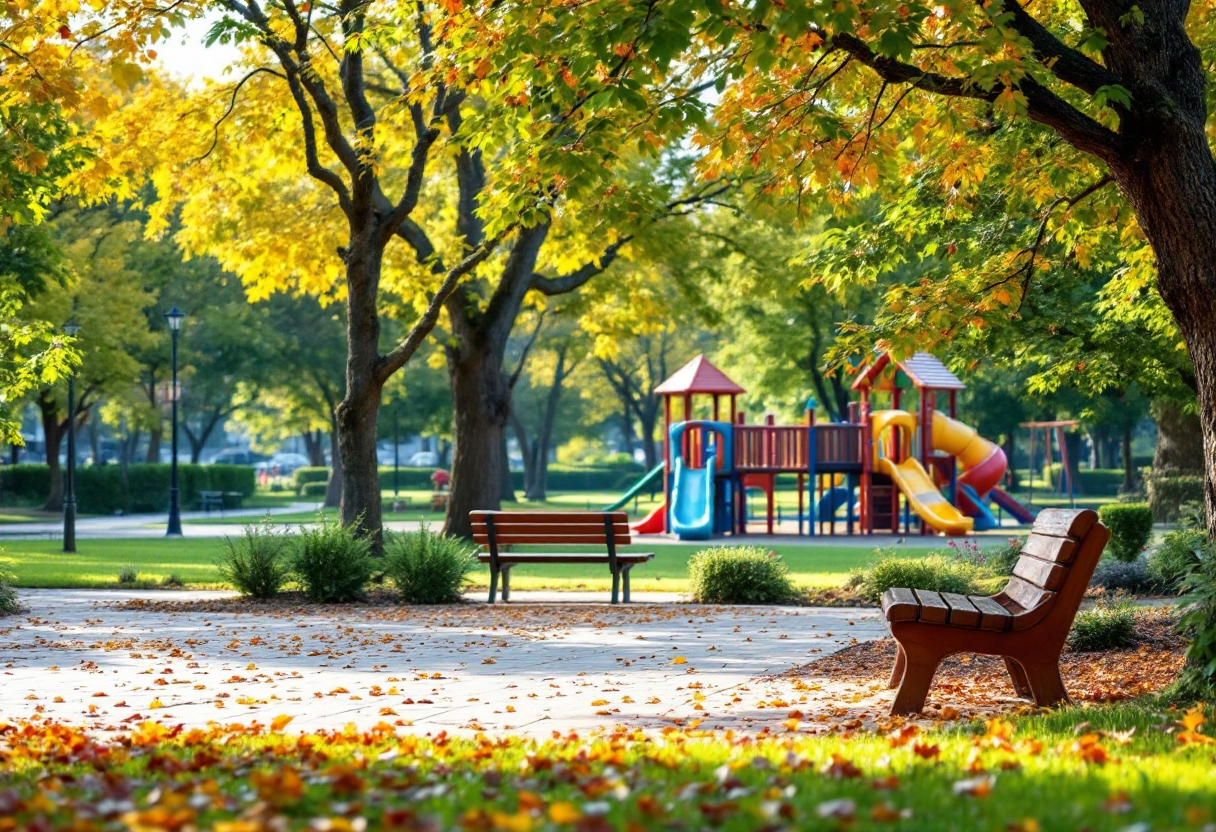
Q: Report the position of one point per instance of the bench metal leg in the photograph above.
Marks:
(625, 571)
(616, 583)
(493, 583)
(506, 582)
(1021, 685)
(920, 665)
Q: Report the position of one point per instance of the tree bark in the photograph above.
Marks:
(506, 491)
(1179, 450)
(481, 401)
(560, 372)
(333, 491)
(53, 429)
(313, 447)
(525, 448)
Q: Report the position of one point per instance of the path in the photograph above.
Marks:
(527, 668)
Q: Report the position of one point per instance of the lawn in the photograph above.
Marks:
(1127, 767)
(40, 563)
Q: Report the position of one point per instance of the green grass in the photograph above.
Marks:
(29, 515)
(97, 563)
(1042, 775)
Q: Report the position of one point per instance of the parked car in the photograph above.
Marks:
(283, 464)
(424, 459)
(236, 456)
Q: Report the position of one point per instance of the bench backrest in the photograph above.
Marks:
(588, 528)
(1057, 562)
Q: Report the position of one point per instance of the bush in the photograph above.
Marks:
(1108, 625)
(739, 575)
(331, 563)
(1122, 576)
(1168, 495)
(1096, 482)
(108, 489)
(1003, 558)
(1131, 526)
(314, 489)
(428, 568)
(303, 476)
(1176, 557)
(128, 575)
(256, 564)
(9, 604)
(1198, 622)
(932, 572)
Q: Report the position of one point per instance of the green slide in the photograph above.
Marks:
(637, 489)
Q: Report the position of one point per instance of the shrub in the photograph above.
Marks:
(1003, 558)
(256, 563)
(428, 568)
(1131, 526)
(128, 575)
(932, 572)
(1176, 557)
(1168, 495)
(108, 489)
(739, 575)
(1108, 625)
(1122, 576)
(331, 563)
(172, 581)
(1198, 622)
(314, 489)
(1097, 482)
(8, 595)
(303, 476)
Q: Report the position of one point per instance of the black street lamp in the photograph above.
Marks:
(396, 454)
(174, 316)
(69, 486)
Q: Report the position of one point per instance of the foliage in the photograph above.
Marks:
(1003, 558)
(1132, 576)
(1176, 557)
(1169, 496)
(1092, 482)
(1199, 622)
(1131, 526)
(1108, 625)
(128, 575)
(331, 563)
(428, 568)
(9, 603)
(256, 563)
(932, 572)
(739, 575)
(302, 476)
(314, 489)
(110, 489)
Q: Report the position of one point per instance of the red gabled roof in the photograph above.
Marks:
(698, 376)
(923, 368)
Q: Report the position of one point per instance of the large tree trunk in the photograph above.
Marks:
(313, 447)
(333, 491)
(53, 429)
(560, 372)
(481, 401)
(356, 414)
(1179, 450)
(525, 448)
(154, 437)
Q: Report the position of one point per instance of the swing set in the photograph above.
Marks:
(1055, 430)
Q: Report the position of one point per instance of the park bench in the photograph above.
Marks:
(208, 500)
(495, 530)
(1026, 623)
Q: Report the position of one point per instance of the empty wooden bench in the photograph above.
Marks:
(1026, 623)
(495, 530)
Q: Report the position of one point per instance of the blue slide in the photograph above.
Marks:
(692, 500)
(983, 516)
(833, 500)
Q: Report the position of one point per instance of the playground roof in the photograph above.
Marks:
(923, 368)
(698, 376)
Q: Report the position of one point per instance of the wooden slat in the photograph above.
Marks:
(992, 615)
(565, 557)
(555, 528)
(1065, 522)
(1027, 594)
(899, 604)
(932, 608)
(506, 518)
(962, 612)
(1041, 573)
(576, 539)
(1044, 547)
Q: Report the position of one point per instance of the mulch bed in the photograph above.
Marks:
(1147, 666)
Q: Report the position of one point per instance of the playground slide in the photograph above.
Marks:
(1015, 509)
(692, 500)
(652, 523)
(833, 500)
(924, 498)
(983, 462)
(638, 488)
(979, 512)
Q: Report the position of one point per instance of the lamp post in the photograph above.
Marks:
(174, 316)
(69, 496)
(396, 454)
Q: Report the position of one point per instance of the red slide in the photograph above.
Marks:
(652, 523)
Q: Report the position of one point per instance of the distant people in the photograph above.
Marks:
(442, 480)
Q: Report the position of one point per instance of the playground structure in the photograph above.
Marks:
(872, 473)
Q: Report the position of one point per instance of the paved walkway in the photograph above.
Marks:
(539, 665)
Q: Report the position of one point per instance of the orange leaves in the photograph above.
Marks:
(1088, 748)
(974, 787)
(279, 787)
(280, 722)
(839, 768)
(1191, 723)
(679, 660)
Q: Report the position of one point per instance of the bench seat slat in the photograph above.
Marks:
(1027, 594)
(565, 557)
(1044, 547)
(933, 608)
(962, 612)
(1062, 522)
(992, 615)
(899, 604)
(514, 518)
(583, 539)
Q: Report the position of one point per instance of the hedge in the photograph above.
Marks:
(100, 489)
(1096, 482)
(561, 478)
(303, 476)
(1131, 526)
(314, 489)
(1168, 495)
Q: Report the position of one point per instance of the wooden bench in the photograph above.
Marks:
(609, 529)
(1026, 623)
(208, 500)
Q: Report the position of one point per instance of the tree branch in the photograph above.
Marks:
(1067, 64)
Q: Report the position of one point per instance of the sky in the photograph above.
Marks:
(185, 56)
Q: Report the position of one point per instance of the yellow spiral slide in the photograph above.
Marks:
(912, 479)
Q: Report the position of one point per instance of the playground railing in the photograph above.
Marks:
(770, 448)
(838, 444)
